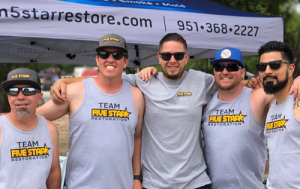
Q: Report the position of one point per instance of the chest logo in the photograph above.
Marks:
(110, 111)
(184, 93)
(277, 123)
(226, 117)
(29, 150)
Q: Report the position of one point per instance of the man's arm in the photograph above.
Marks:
(139, 104)
(52, 111)
(296, 107)
(260, 103)
(54, 178)
(58, 90)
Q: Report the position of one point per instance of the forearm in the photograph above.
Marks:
(73, 80)
(136, 159)
(54, 179)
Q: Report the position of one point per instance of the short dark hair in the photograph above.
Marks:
(173, 37)
(277, 46)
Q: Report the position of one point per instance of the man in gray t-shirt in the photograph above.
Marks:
(171, 154)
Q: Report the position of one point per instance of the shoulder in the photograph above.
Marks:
(72, 86)
(51, 128)
(260, 95)
(136, 92)
(261, 98)
(74, 89)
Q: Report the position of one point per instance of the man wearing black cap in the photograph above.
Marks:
(29, 151)
(105, 125)
(233, 125)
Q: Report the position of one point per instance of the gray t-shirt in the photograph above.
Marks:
(235, 150)
(171, 154)
(25, 157)
(283, 137)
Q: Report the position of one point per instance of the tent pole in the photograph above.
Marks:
(137, 58)
(137, 69)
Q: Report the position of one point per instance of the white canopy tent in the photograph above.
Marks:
(67, 31)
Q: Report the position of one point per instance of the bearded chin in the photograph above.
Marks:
(270, 88)
(22, 112)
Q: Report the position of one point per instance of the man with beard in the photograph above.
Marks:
(171, 154)
(282, 128)
(233, 126)
(28, 143)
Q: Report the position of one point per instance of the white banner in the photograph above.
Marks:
(55, 19)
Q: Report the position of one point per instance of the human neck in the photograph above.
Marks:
(26, 124)
(228, 95)
(282, 95)
(109, 86)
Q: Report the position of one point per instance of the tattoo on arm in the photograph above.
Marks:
(296, 103)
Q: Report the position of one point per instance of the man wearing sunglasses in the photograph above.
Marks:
(29, 151)
(233, 126)
(282, 127)
(171, 154)
(105, 127)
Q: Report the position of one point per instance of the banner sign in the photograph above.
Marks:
(139, 22)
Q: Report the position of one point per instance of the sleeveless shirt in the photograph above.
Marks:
(25, 157)
(235, 150)
(282, 132)
(101, 139)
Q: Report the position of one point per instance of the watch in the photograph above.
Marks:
(138, 177)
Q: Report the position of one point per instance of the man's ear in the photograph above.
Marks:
(97, 60)
(291, 70)
(126, 60)
(187, 57)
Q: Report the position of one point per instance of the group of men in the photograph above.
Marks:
(137, 131)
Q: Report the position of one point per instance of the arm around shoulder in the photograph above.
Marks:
(296, 107)
(54, 178)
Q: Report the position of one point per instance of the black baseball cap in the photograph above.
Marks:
(112, 40)
(22, 76)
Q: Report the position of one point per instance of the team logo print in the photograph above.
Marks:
(110, 111)
(184, 93)
(227, 118)
(29, 151)
(226, 53)
(277, 123)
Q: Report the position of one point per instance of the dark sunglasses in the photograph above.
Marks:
(117, 55)
(229, 67)
(167, 56)
(274, 65)
(27, 91)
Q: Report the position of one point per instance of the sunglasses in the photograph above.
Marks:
(229, 67)
(27, 91)
(274, 65)
(167, 56)
(117, 55)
